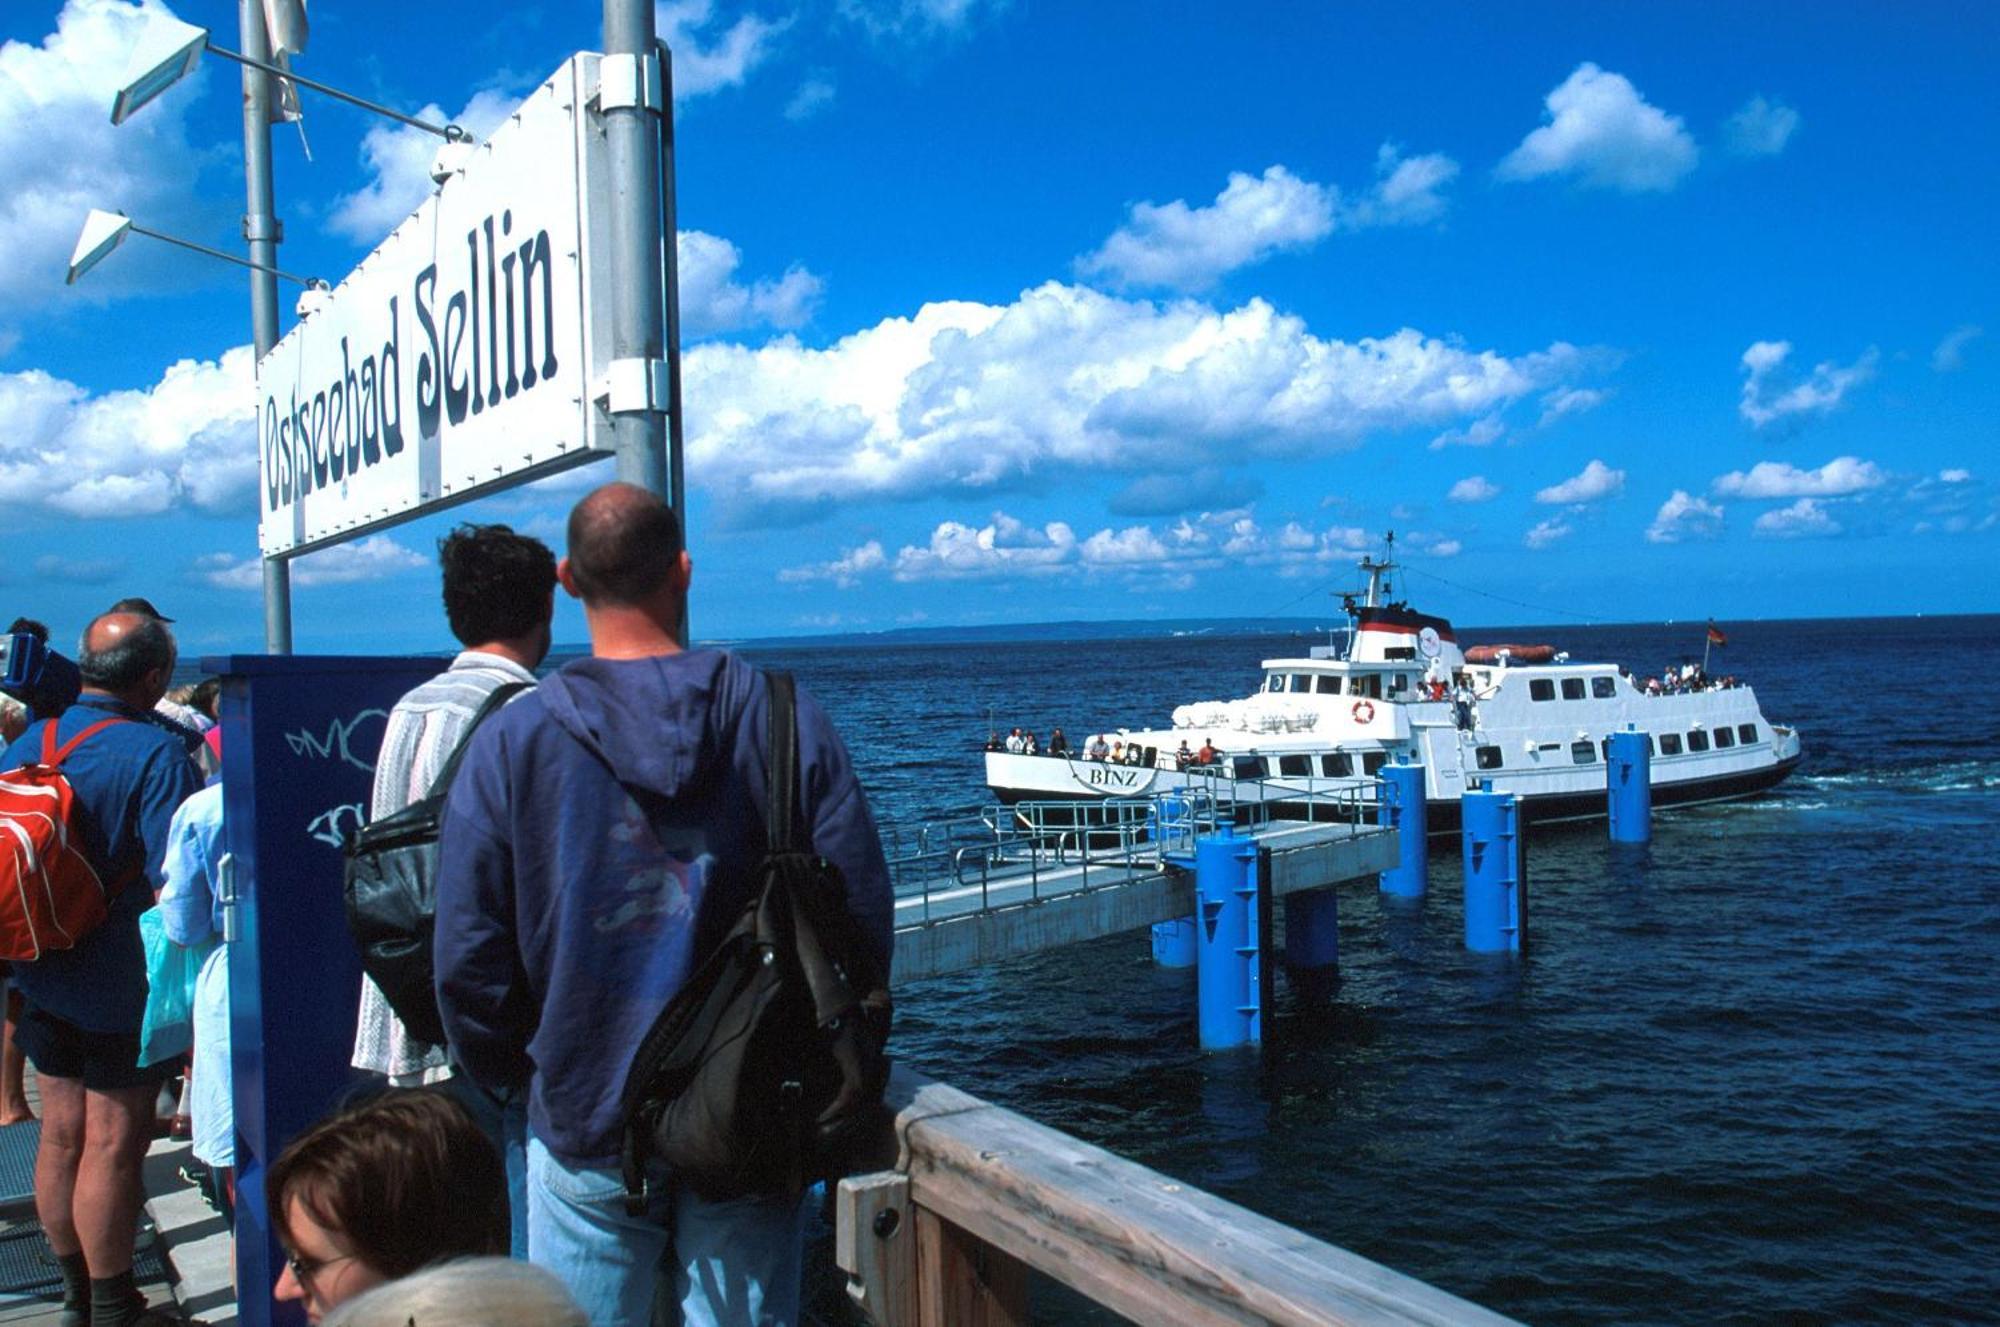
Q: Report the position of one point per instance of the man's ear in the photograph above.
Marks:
(567, 579)
(683, 574)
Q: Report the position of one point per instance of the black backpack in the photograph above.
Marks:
(391, 885)
(765, 1072)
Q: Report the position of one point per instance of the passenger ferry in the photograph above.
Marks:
(1525, 718)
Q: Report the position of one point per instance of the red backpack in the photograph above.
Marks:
(50, 894)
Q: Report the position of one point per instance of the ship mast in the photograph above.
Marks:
(1378, 592)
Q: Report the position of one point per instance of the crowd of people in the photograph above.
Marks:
(604, 828)
(1684, 679)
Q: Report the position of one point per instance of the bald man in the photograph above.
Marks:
(84, 1006)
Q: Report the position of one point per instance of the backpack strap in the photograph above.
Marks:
(501, 694)
(52, 757)
(781, 809)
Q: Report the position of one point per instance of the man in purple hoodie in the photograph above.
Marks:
(603, 833)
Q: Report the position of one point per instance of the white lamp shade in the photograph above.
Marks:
(102, 232)
(168, 54)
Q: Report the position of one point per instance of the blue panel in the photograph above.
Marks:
(1629, 786)
(1495, 885)
(1403, 807)
(1173, 943)
(1229, 942)
(300, 736)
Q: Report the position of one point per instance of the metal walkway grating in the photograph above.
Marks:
(28, 1270)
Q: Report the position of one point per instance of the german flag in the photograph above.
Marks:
(1715, 636)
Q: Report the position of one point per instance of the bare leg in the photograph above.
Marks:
(14, 1108)
(109, 1191)
(58, 1160)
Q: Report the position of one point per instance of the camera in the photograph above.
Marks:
(36, 675)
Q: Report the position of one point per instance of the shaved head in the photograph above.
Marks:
(624, 545)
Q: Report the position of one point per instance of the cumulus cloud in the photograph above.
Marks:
(966, 396)
(914, 21)
(1682, 517)
(1603, 134)
(708, 57)
(1770, 394)
(1594, 483)
(1780, 479)
(63, 157)
(1473, 488)
(1760, 128)
(1805, 519)
(713, 300)
(1567, 401)
(187, 441)
(1544, 533)
(1954, 476)
(398, 158)
(1481, 432)
(813, 96)
(1407, 190)
(1189, 248)
(845, 570)
(1949, 357)
(1446, 548)
(372, 558)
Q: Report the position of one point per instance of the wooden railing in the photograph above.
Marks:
(979, 1195)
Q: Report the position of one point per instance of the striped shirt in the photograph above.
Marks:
(423, 730)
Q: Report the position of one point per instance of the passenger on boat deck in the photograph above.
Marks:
(993, 742)
(1134, 755)
(1207, 754)
(1028, 745)
(1016, 743)
(1058, 744)
(1098, 750)
(1461, 700)
(1183, 757)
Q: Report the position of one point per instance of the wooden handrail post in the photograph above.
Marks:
(875, 1244)
(962, 1281)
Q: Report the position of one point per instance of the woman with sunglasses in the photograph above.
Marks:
(380, 1190)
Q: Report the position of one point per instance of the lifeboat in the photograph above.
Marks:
(1526, 654)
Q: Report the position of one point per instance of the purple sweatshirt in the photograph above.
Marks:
(603, 832)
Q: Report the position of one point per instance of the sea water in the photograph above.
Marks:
(1748, 1074)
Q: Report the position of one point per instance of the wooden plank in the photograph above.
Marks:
(875, 1243)
(964, 1282)
(1132, 1239)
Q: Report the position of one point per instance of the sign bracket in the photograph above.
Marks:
(634, 387)
(625, 81)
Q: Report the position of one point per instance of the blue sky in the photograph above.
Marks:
(1015, 312)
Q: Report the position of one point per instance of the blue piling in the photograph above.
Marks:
(1496, 902)
(1629, 786)
(1403, 809)
(1312, 929)
(1229, 977)
(1173, 943)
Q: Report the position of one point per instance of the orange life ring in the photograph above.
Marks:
(1364, 711)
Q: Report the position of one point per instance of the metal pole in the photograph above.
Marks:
(260, 228)
(670, 254)
(638, 317)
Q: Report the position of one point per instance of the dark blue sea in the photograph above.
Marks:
(1751, 1075)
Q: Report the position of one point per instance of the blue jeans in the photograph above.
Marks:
(734, 1264)
(506, 1123)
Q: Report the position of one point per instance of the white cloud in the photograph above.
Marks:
(1188, 248)
(1594, 483)
(1481, 432)
(64, 156)
(1949, 357)
(186, 441)
(1446, 548)
(1473, 488)
(814, 96)
(1405, 192)
(1780, 479)
(1760, 128)
(1804, 519)
(398, 159)
(1567, 401)
(706, 60)
(372, 558)
(1604, 134)
(1767, 398)
(1003, 547)
(1544, 533)
(913, 21)
(968, 397)
(712, 300)
(845, 570)
(1684, 516)
(1954, 476)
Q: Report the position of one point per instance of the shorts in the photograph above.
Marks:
(105, 1061)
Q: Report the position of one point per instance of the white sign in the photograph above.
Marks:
(457, 358)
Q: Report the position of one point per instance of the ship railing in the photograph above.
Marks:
(975, 1203)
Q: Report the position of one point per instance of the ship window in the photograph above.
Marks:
(1697, 740)
(1603, 688)
(1327, 684)
(1301, 683)
(1605, 746)
(1724, 737)
(1275, 682)
(1488, 756)
(1373, 761)
(1572, 688)
(1295, 765)
(1583, 753)
(1336, 765)
(1747, 732)
(1541, 688)
(1670, 744)
(1247, 767)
